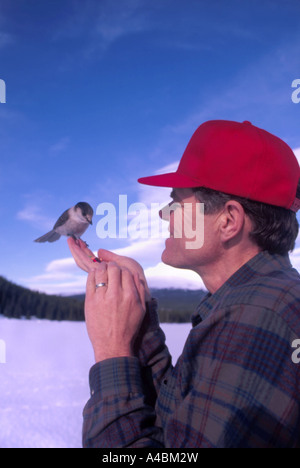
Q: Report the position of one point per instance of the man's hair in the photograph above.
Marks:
(275, 229)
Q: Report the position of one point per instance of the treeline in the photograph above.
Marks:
(19, 302)
(175, 305)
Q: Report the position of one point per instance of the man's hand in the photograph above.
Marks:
(114, 313)
(84, 258)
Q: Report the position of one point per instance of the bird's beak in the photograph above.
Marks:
(91, 222)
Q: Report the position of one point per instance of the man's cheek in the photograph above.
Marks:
(193, 222)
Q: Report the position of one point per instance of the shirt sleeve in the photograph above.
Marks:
(119, 415)
(151, 348)
(120, 412)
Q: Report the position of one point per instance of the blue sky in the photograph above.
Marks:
(101, 92)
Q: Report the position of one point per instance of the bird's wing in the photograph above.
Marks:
(62, 219)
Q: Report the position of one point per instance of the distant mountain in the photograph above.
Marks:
(175, 305)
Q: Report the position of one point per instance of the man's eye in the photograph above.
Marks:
(176, 204)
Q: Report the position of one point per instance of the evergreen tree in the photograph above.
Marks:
(18, 302)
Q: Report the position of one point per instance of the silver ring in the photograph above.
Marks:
(101, 285)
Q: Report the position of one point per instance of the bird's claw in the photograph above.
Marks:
(77, 240)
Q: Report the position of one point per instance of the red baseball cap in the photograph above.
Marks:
(238, 159)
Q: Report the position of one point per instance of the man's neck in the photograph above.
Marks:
(216, 274)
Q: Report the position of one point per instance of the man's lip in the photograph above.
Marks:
(171, 232)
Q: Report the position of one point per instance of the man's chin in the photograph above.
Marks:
(165, 258)
(171, 260)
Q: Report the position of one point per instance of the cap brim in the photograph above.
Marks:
(171, 179)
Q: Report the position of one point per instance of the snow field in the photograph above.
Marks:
(44, 382)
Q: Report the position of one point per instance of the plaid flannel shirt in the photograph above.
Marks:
(235, 384)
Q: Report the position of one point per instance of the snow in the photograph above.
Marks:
(44, 381)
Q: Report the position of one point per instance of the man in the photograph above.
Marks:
(235, 384)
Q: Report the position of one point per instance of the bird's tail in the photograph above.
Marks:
(51, 236)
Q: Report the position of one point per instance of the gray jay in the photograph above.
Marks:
(73, 223)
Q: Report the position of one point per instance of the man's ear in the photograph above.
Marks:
(232, 221)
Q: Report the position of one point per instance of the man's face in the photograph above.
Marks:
(182, 250)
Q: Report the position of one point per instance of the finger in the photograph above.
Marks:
(79, 244)
(90, 285)
(128, 283)
(108, 256)
(75, 251)
(114, 283)
(83, 256)
(82, 244)
(140, 286)
(101, 277)
(85, 249)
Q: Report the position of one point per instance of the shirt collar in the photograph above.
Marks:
(262, 264)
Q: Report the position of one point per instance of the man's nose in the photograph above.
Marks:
(164, 213)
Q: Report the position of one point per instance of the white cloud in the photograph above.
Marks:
(172, 167)
(164, 276)
(60, 146)
(103, 23)
(148, 194)
(295, 256)
(297, 154)
(32, 213)
(62, 276)
(146, 252)
(117, 20)
(64, 286)
(155, 198)
(64, 265)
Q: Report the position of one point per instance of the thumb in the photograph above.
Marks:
(107, 256)
(141, 289)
